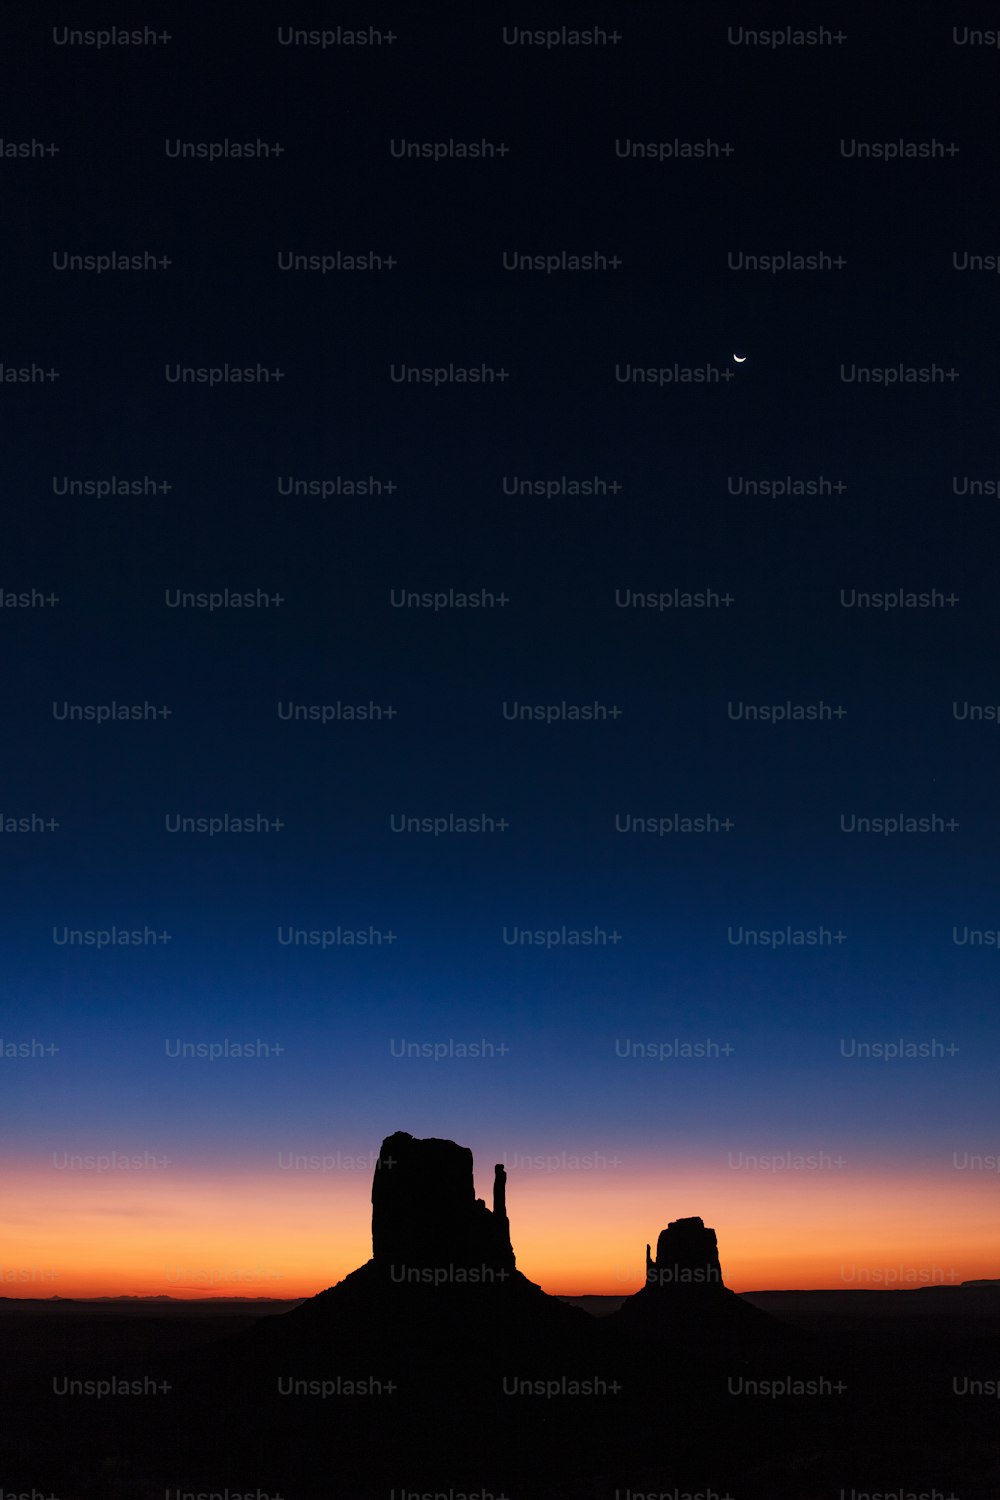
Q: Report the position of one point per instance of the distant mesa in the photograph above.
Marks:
(687, 1254)
(425, 1212)
(684, 1296)
(442, 1279)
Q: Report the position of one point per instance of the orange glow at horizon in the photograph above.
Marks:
(195, 1234)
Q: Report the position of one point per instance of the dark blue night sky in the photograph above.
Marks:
(679, 743)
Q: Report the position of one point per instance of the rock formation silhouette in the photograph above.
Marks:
(441, 1289)
(686, 1254)
(685, 1297)
(425, 1213)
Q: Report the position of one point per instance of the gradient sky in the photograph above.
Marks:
(221, 1212)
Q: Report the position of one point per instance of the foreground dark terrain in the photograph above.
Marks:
(673, 1425)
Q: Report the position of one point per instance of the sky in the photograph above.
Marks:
(782, 1018)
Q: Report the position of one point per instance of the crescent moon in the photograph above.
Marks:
(739, 358)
